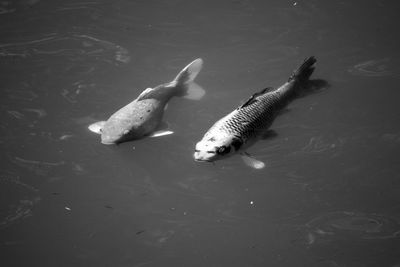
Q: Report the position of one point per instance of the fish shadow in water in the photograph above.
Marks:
(313, 87)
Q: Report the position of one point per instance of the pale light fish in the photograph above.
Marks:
(241, 128)
(142, 117)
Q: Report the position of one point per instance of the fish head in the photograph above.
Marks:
(115, 133)
(109, 139)
(112, 137)
(213, 149)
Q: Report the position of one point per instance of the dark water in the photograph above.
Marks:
(329, 195)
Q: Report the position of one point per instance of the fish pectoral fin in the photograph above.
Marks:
(252, 162)
(161, 133)
(96, 127)
(194, 91)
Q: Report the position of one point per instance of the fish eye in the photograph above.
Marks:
(223, 150)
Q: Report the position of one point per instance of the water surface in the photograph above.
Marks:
(329, 195)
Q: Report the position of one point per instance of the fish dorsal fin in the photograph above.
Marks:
(253, 98)
(144, 94)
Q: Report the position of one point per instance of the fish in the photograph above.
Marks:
(250, 122)
(143, 116)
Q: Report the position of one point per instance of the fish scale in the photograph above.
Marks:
(247, 122)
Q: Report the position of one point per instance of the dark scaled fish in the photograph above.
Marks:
(142, 117)
(241, 128)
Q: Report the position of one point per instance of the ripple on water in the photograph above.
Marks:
(375, 68)
(5, 7)
(319, 144)
(41, 168)
(73, 46)
(12, 6)
(351, 225)
(17, 199)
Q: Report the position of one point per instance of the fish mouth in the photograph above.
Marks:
(107, 142)
(202, 160)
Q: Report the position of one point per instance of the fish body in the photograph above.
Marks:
(133, 121)
(244, 126)
(143, 116)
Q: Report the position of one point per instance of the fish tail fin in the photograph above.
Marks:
(305, 70)
(185, 81)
